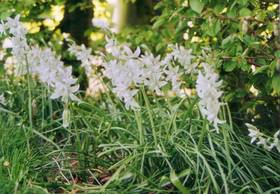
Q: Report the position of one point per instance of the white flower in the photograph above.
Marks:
(276, 141)
(263, 141)
(173, 76)
(112, 47)
(190, 24)
(153, 73)
(123, 77)
(42, 63)
(17, 42)
(129, 54)
(7, 43)
(254, 133)
(128, 70)
(207, 87)
(125, 70)
(168, 59)
(65, 85)
(19, 51)
(100, 23)
(184, 57)
(84, 55)
(127, 95)
(52, 72)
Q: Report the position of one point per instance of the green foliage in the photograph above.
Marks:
(197, 6)
(241, 34)
(108, 149)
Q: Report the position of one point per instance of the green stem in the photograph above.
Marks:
(43, 106)
(226, 142)
(203, 133)
(147, 103)
(29, 94)
(139, 126)
(50, 105)
(29, 102)
(229, 116)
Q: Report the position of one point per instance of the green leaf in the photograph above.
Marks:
(261, 69)
(276, 83)
(181, 26)
(245, 12)
(219, 8)
(244, 65)
(242, 2)
(197, 5)
(160, 46)
(159, 23)
(177, 183)
(228, 40)
(232, 13)
(277, 54)
(229, 66)
(212, 27)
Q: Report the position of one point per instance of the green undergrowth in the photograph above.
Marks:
(165, 147)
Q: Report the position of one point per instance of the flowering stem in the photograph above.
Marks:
(29, 99)
(203, 133)
(150, 114)
(229, 116)
(29, 103)
(227, 148)
(43, 106)
(140, 126)
(29, 96)
(50, 104)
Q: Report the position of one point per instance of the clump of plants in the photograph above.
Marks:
(161, 125)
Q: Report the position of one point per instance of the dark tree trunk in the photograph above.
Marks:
(77, 19)
(141, 12)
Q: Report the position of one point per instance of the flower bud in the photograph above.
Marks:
(66, 118)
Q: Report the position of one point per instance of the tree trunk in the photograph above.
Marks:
(77, 19)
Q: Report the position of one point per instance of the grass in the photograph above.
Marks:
(166, 147)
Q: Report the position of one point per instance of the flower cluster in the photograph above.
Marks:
(51, 71)
(124, 71)
(267, 142)
(83, 54)
(184, 57)
(90, 63)
(128, 70)
(43, 63)
(18, 41)
(207, 87)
